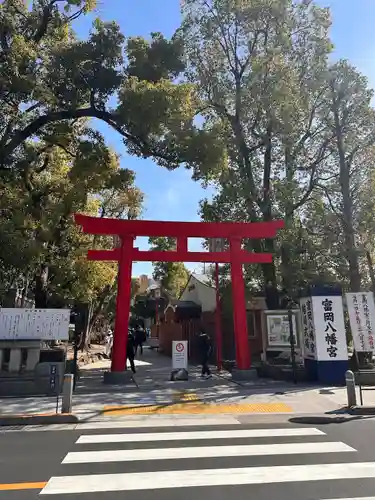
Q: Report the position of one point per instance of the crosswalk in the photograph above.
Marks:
(131, 460)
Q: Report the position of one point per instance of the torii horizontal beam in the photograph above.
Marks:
(104, 226)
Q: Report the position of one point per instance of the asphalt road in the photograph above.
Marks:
(280, 461)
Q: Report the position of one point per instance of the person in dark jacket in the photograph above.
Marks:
(140, 337)
(205, 349)
(130, 351)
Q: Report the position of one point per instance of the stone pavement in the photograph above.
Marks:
(152, 393)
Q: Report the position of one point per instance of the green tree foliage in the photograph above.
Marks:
(258, 68)
(298, 135)
(50, 80)
(52, 160)
(172, 276)
(351, 121)
(37, 226)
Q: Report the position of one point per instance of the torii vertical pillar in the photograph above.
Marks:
(118, 371)
(239, 307)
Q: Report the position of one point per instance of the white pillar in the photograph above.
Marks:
(32, 359)
(15, 360)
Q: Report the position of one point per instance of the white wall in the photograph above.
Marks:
(201, 294)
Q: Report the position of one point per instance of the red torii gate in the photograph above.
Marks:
(128, 230)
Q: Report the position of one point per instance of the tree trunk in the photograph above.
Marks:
(371, 270)
(97, 310)
(25, 291)
(348, 226)
(84, 341)
(41, 287)
(269, 270)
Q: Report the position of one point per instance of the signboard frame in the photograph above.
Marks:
(277, 314)
(180, 354)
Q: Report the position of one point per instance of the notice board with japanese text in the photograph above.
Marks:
(34, 324)
(361, 310)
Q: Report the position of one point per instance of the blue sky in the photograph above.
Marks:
(173, 195)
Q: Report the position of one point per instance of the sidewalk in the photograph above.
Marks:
(152, 393)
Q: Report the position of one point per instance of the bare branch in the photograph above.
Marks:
(21, 135)
(44, 166)
(330, 202)
(33, 107)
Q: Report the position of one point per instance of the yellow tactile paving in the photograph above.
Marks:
(22, 486)
(185, 396)
(198, 408)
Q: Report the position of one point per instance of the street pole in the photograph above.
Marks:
(157, 313)
(292, 345)
(219, 336)
(350, 389)
(75, 359)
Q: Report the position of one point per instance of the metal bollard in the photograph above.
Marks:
(67, 395)
(350, 388)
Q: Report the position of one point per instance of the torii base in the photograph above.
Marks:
(118, 378)
(244, 375)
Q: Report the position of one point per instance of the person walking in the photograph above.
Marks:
(130, 351)
(139, 339)
(205, 347)
(108, 343)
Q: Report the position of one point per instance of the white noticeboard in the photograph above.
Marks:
(179, 354)
(329, 328)
(34, 324)
(278, 330)
(361, 311)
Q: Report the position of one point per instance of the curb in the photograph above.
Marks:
(361, 410)
(41, 419)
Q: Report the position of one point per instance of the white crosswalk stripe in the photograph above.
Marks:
(186, 436)
(148, 456)
(204, 452)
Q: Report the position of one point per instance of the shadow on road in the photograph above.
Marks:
(325, 420)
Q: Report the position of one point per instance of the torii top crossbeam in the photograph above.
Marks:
(181, 231)
(104, 226)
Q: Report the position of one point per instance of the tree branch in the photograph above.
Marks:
(329, 199)
(312, 182)
(22, 135)
(44, 166)
(46, 18)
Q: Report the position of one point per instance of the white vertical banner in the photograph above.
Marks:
(308, 330)
(361, 310)
(329, 328)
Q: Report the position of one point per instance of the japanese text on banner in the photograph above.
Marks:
(309, 345)
(361, 311)
(330, 330)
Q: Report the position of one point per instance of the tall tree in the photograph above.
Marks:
(51, 85)
(51, 80)
(37, 226)
(258, 67)
(351, 120)
(173, 276)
